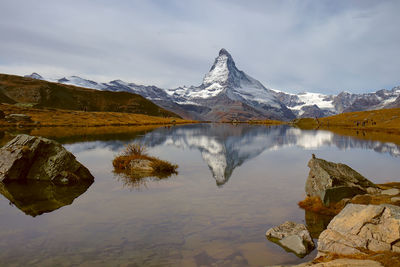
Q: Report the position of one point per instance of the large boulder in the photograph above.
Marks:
(334, 181)
(362, 227)
(36, 158)
(292, 236)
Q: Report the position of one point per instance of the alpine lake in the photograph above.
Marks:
(234, 182)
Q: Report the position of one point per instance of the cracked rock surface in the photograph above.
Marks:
(334, 181)
(362, 227)
(292, 236)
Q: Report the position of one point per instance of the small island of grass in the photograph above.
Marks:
(133, 164)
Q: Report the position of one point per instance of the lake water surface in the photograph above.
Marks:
(234, 183)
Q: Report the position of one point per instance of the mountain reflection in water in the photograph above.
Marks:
(225, 146)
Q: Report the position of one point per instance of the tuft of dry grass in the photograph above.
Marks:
(135, 149)
(315, 204)
(163, 168)
(158, 168)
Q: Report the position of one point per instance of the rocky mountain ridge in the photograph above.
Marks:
(228, 93)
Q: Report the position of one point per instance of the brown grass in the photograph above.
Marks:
(59, 117)
(386, 258)
(160, 168)
(266, 122)
(315, 204)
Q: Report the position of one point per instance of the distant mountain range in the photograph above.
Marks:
(228, 93)
(37, 93)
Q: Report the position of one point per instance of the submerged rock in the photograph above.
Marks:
(334, 181)
(292, 236)
(36, 158)
(362, 227)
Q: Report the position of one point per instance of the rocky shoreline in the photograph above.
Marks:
(365, 230)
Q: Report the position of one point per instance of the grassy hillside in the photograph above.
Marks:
(380, 125)
(42, 94)
(374, 120)
(62, 117)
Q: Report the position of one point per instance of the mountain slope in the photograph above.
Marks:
(43, 94)
(228, 93)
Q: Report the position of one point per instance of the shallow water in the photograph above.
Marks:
(234, 183)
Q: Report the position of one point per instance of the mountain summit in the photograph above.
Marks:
(228, 93)
(222, 71)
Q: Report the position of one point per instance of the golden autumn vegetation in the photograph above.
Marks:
(60, 117)
(387, 120)
(315, 204)
(136, 153)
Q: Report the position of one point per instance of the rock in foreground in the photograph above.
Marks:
(334, 181)
(36, 158)
(362, 227)
(292, 236)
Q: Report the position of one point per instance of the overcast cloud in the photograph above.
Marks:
(319, 46)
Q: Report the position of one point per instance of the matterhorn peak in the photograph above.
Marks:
(221, 70)
(223, 51)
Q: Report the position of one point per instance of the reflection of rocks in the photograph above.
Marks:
(362, 227)
(292, 236)
(35, 158)
(38, 197)
(334, 181)
(316, 223)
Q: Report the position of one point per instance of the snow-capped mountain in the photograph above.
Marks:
(228, 93)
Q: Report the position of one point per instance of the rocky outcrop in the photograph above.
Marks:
(362, 227)
(13, 118)
(292, 236)
(334, 181)
(36, 158)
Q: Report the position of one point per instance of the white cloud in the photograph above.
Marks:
(320, 46)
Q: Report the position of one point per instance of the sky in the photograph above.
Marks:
(294, 46)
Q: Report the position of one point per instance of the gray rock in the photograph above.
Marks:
(358, 227)
(18, 118)
(141, 165)
(395, 199)
(334, 181)
(292, 236)
(36, 158)
(391, 192)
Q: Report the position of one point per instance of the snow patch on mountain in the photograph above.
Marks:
(78, 81)
(309, 99)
